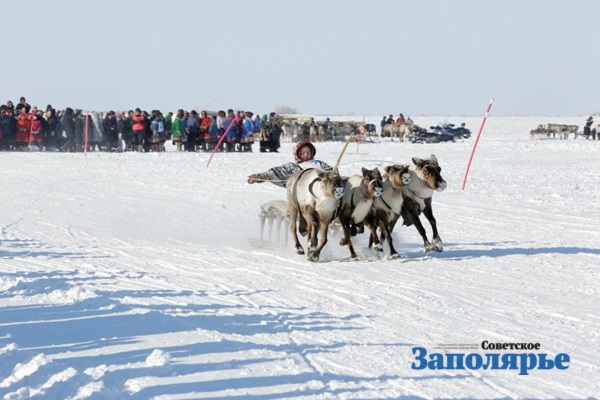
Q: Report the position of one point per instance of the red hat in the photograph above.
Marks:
(302, 144)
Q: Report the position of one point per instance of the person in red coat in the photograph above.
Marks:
(205, 121)
(23, 127)
(37, 130)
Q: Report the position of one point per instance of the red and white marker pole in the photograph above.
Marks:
(235, 121)
(475, 145)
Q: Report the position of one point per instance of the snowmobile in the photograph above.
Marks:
(421, 135)
(460, 132)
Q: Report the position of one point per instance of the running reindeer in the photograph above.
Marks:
(313, 199)
(425, 179)
(357, 203)
(387, 207)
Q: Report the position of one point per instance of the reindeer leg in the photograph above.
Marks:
(428, 246)
(314, 257)
(385, 233)
(360, 228)
(352, 252)
(436, 241)
(313, 229)
(293, 217)
(373, 238)
(346, 238)
(393, 223)
(345, 232)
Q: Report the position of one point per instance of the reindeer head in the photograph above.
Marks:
(373, 181)
(430, 172)
(331, 183)
(398, 175)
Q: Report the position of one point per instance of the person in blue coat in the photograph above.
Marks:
(247, 137)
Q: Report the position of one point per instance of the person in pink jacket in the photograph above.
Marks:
(138, 127)
(37, 130)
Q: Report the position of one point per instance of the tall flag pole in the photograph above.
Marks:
(475, 145)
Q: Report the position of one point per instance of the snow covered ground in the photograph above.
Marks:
(130, 276)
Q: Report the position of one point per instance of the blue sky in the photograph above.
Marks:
(319, 57)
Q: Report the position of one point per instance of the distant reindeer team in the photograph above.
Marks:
(317, 198)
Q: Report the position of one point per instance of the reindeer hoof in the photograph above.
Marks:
(299, 250)
(344, 242)
(313, 257)
(429, 248)
(394, 256)
(438, 245)
(378, 247)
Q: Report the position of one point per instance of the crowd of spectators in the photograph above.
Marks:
(72, 130)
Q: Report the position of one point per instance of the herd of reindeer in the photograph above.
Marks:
(317, 199)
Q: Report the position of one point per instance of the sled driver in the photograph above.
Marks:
(304, 153)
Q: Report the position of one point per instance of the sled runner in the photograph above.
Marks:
(274, 212)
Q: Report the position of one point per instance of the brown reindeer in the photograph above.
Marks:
(357, 203)
(425, 179)
(402, 131)
(387, 206)
(313, 199)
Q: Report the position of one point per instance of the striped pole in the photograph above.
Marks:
(475, 145)
(235, 120)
